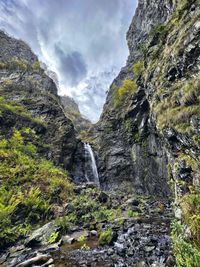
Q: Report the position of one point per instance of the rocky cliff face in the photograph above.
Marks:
(24, 83)
(72, 111)
(149, 129)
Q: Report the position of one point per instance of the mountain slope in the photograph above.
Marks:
(23, 82)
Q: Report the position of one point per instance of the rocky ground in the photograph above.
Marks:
(139, 236)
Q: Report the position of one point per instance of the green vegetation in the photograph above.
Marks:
(29, 184)
(18, 64)
(82, 239)
(187, 247)
(179, 105)
(53, 238)
(85, 247)
(137, 68)
(16, 109)
(190, 205)
(85, 136)
(159, 30)
(127, 89)
(36, 65)
(132, 213)
(14, 64)
(105, 237)
(144, 49)
(91, 209)
(128, 125)
(187, 254)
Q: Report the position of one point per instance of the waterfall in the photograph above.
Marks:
(89, 150)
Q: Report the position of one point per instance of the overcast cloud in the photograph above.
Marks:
(81, 40)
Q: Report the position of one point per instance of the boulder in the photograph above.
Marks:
(41, 236)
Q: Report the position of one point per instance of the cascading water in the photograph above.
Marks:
(89, 151)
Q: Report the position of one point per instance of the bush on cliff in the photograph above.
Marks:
(29, 185)
(126, 90)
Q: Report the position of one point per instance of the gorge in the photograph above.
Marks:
(123, 191)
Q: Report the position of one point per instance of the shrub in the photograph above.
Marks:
(132, 213)
(138, 68)
(186, 254)
(179, 105)
(159, 30)
(144, 49)
(190, 204)
(63, 223)
(28, 186)
(53, 237)
(82, 239)
(127, 89)
(105, 237)
(36, 65)
(17, 109)
(17, 64)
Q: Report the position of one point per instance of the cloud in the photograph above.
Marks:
(72, 66)
(78, 39)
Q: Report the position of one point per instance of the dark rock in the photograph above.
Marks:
(103, 197)
(133, 202)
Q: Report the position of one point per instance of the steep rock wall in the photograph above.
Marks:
(138, 143)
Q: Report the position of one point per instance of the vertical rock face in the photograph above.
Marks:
(143, 137)
(72, 111)
(24, 83)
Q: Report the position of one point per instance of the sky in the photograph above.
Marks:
(83, 41)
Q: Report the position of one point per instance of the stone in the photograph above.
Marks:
(133, 202)
(170, 262)
(34, 260)
(103, 197)
(16, 249)
(68, 239)
(140, 264)
(41, 236)
(149, 248)
(49, 262)
(178, 213)
(3, 258)
(94, 233)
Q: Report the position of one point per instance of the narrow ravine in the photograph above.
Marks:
(125, 191)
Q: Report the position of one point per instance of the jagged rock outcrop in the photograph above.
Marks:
(150, 122)
(23, 82)
(72, 111)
